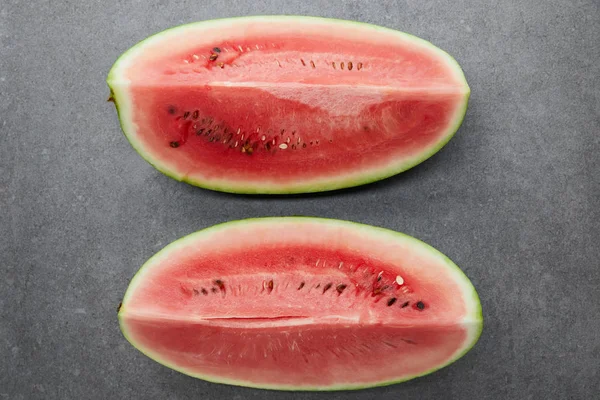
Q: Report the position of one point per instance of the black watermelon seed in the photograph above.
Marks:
(174, 144)
(391, 301)
(405, 304)
(420, 305)
(340, 288)
(216, 49)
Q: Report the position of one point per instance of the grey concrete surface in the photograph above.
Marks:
(513, 199)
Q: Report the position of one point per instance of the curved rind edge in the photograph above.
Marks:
(476, 317)
(122, 105)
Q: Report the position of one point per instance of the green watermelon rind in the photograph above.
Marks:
(470, 296)
(311, 186)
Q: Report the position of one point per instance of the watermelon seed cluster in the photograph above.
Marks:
(246, 142)
(343, 65)
(269, 285)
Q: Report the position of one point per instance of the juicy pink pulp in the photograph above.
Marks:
(318, 313)
(214, 130)
(318, 355)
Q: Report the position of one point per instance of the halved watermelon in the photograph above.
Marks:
(286, 104)
(301, 303)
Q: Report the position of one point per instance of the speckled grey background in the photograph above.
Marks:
(513, 199)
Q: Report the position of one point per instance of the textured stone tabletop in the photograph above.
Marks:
(513, 199)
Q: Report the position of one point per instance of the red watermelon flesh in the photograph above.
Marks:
(301, 303)
(286, 104)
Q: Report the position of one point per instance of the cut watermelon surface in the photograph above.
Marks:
(301, 304)
(286, 104)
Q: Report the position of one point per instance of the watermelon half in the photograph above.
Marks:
(301, 303)
(284, 104)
